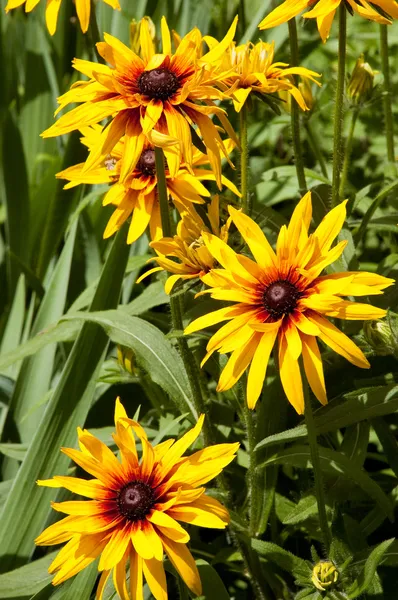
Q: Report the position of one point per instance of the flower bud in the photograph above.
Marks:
(135, 26)
(360, 86)
(125, 358)
(380, 337)
(324, 575)
(305, 88)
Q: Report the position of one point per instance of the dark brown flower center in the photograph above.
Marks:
(280, 298)
(135, 500)
(146, 163)
(158, 83)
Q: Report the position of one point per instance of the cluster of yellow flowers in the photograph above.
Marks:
(167, 99)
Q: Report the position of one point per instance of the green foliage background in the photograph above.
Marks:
(57, 365)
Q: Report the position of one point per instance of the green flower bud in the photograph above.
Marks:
(324, 575)
(379, 336)
(125, 357)
(135, 43)
(360, 86)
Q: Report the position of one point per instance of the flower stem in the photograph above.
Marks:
(295, 112)
(339, 105)
(244, 159)
(175, 305)
(252, 470)
(316, 465)
(348, 150)
(388, 115)
(313, 142)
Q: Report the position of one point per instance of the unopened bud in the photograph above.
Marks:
(324, 575)
(305, 88)
(135, 27)
(380, 337)
(360, 86)
(125, 357)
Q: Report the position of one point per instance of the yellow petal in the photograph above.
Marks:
(155, 578)
(258, 368)
(238, 363)
(254, 238)
(290, 377)
(52, 10)
(83, 12)
(119, 578)
(147, 47)
(313, 367)
(115, 548)
(136, 578)
(184, 563)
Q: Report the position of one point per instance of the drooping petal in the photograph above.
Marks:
(182, 560)
(313, 367)
(290, 376)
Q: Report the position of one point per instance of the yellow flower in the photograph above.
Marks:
(324, 11)
(283, 296)
(137, 196)
(250, 68)
(83, 8)
(188, 247)
(324, 575)
(134, 508)
(153, 94)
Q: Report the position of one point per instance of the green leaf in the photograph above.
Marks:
(27, 580)
(16, 451)
(154, 352)
(35, 375)
(290, 171)
(388, 441)
(212, 585)
(335, 463)
(27, 507)
(369, 403)
(284, 559)
(366, 576)
(14, 327)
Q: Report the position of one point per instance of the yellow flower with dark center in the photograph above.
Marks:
(188, 247)
(83, 9)
(251, 68)
(381, 11)
(153, 94)
(282, 296)
(134, 508)
(137, 196)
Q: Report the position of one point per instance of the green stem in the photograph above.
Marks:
(295, 112)
(348, 150)
(93, 34)
(359, 232)
(252, 470)
(175, 305)
(313, 142)
(339, 105)
(388, 114)
(253, 567)
(244, 159)
(316, 465)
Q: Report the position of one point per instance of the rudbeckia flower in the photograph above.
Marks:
(194, 259)
(167, 93)
(137, 196)
(381, 11)
(134, 508)
(282, 296)
(252, 69)
(83, 9)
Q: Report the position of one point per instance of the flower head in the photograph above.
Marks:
(152, 94)
(188, 247)
(83, 9)
(251, 68)
(381, 11)
(282, 296)
(361, 83)
(324, 575)
(134, 508)
(137, 196)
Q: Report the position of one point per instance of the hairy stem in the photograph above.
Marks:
(295, 112)
(175, 305)
(252, 470)
(316, 465)
(339, 105)
(348, 150)
(244, 159)
(388, 114)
